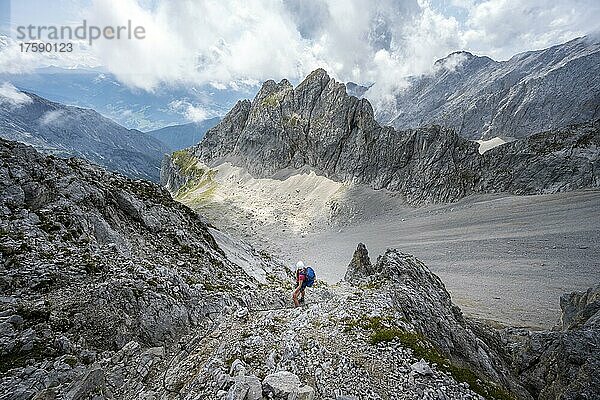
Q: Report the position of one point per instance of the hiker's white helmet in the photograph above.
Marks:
(299, 265)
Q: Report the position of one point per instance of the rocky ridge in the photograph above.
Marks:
(110, 289)
(482, 98)
(318, 126)
(92, 261)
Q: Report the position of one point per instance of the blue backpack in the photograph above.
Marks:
(310, 276)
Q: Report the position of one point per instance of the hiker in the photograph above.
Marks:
(305, 277)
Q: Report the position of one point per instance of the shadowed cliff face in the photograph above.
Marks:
(317, 125)
(562, 363)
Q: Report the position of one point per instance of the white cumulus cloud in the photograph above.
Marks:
(12, 96)
(52, 117)
(501, 28)
(228, 43)
(189, 111)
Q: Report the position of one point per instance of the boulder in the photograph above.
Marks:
(281, 385)
(360, 266)
(93, 382)
(245, 388)
(421, 368)
(306, 393)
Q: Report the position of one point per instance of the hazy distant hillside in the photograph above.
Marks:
(483, 98)
(181, 136)
(72, 131)
(134, 109)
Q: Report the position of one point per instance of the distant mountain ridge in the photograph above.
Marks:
(132, 108)
(178, 137)
(319, 126)
(481, 98)
(68, 131)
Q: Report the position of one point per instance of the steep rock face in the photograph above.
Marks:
(558, 364)
(482, 98)
(422, 300)
(95, 265)
(580, 309)
(317, 125)
(360, 267)
(562, 364)
(67, 131)
(547, 162)
(172, 175)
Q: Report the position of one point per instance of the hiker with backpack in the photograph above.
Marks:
(305, 277)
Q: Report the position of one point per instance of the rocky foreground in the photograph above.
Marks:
(110, 289)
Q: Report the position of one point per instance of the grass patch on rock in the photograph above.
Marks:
(382, 330)
(199, 181)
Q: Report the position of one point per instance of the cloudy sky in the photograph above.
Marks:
(237, 42)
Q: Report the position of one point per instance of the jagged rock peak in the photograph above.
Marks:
(318, 126)
(397, 266)
(270, 87)
(318, 80)
(318, 74)
(461, 53)
(462, 59)
(581, 309)
(360, 266)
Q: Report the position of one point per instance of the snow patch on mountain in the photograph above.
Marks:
(485, 145)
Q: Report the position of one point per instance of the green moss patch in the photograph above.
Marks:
(271, 100)
(382, 330)
(186, 163)
(200, 181)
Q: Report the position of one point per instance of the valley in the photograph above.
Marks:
(517, 253)
(452, 224)
(306, 172)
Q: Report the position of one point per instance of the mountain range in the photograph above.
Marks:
(178, 137)
(481, 98)
(70, 131)
(133, 108)
(317, 125)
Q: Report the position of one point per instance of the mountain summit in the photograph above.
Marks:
(482, 98)
(318, 126)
